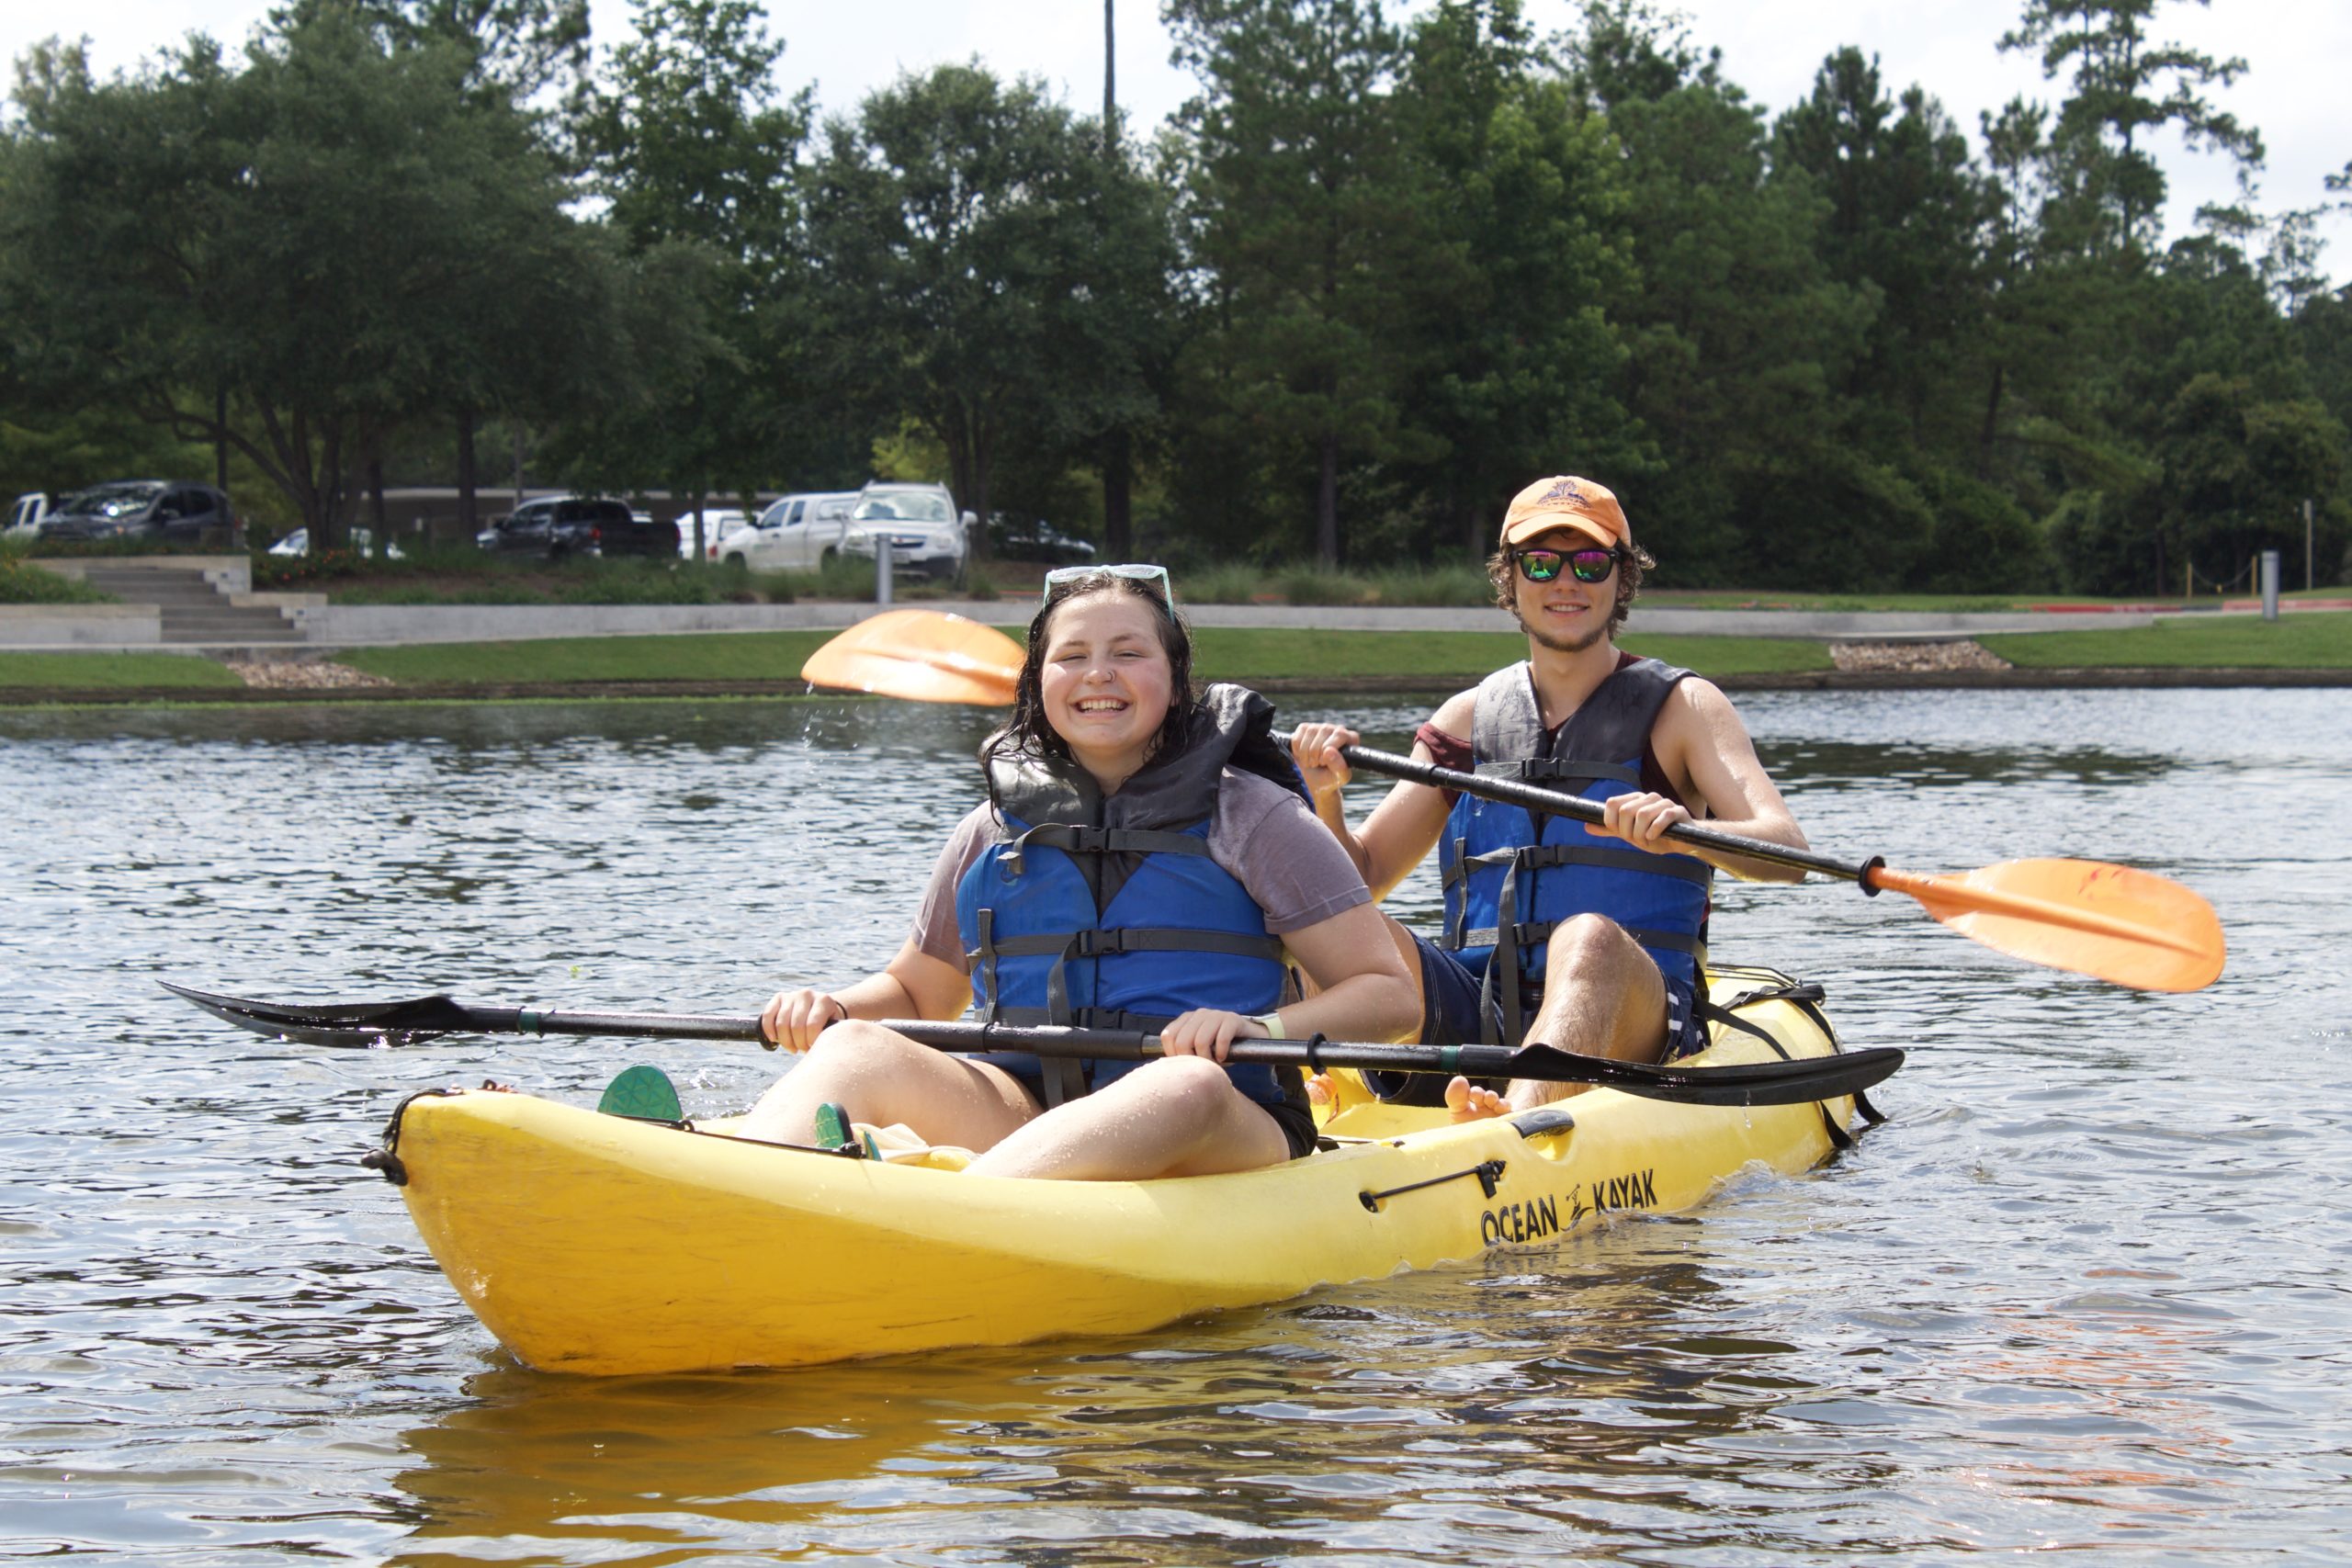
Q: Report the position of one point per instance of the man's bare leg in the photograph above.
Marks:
(1602, 997)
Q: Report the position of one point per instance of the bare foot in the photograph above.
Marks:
(1466, 1101)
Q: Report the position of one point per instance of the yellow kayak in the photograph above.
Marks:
(590, 1243)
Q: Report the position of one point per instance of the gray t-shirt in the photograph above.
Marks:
(1262, 833)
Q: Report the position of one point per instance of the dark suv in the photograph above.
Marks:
(166, 510)
(560, 526)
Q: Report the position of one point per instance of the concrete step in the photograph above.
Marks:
(229, 626)
(191, 610)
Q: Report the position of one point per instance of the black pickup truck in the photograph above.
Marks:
(559, 525)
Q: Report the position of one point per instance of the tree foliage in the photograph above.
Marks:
(1385, 265)
(204, 237)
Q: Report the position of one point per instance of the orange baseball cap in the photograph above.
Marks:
(1567, 502)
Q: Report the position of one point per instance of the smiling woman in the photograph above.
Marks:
(1104, 885)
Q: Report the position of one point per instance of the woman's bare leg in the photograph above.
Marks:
(880, 1077)
(1177, 1116)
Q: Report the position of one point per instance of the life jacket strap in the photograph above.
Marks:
(1548, 771)
(984, 959)
(1099, 942)
(1533, 933)
(1089, 1018)
(1078, 839)
(1546, 857)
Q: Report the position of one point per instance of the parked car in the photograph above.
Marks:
(556, 527)
(797, 534)
(1031, 538)
(920, 520)
(717, 523)
(25, 512)
(169, 512)
(298, 543)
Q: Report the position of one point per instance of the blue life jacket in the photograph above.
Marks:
(1510, 881)
(1108, 913)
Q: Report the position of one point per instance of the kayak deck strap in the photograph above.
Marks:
(1487, 1171)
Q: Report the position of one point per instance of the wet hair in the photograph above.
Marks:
(1632, 561)
(1029, 734)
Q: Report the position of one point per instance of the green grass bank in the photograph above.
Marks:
(1296, 659)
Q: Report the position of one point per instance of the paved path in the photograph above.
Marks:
(311, 624)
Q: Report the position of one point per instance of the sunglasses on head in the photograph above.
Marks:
(1592, 565)
(1157, 575)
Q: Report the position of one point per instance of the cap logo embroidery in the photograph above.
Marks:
(1565, 490)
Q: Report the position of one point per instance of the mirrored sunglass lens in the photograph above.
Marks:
(1592, 565)
(1539, 566)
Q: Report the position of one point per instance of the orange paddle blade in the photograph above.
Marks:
(927, 655)
(2132, 926)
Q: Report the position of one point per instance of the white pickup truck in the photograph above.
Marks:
(25, 512)
(800, 532)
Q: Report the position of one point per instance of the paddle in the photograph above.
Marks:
(2112, 923)
(403, 1023)
(925, 654)
(2132, 926)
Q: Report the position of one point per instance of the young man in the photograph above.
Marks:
(1583, 938)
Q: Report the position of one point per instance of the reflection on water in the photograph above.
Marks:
(1480, 1402)
(2085, 1293)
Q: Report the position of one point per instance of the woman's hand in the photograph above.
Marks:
(1208, 1031)
(1642, 819)
(1316, 748)
(793, 1019)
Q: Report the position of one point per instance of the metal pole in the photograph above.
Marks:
(2271, 585)
(2309, 581)
(882, 571)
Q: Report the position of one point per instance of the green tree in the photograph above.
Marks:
(204, 247)
(2126, 86)
(1521, 362)
(1311, 218)
(1906, 226)
(519, 47)
(689, 143)
(950, 231)
(1738, 339)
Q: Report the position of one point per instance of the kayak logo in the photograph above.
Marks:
(1535, 1220)
(1638, 1190)
(1520, 1222)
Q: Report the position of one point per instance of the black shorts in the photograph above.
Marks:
(1291, 1113)
(1451, 1016)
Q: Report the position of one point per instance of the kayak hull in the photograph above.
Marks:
(593, 1244)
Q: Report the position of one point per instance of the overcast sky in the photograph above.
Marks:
(2295, 51)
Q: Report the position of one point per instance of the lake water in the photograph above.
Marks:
(2087, 1291)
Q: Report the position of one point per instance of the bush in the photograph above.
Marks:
(637, 582)
(1220, 585)
(24, 583)
(1457, 585)
(1314, 585)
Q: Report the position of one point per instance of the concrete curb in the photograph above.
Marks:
(1400, 686)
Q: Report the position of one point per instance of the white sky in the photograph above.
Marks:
(2296, 51)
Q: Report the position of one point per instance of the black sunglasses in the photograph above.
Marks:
(1589, 566)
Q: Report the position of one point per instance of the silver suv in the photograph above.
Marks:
(925, 531)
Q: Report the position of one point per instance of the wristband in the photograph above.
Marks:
(1272, 1022)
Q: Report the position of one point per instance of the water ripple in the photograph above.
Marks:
(2086, 1291)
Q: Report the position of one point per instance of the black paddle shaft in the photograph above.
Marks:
(410, 1020)
(1558, 803)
